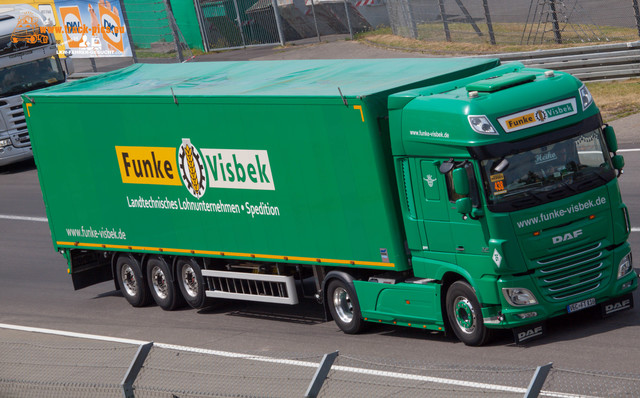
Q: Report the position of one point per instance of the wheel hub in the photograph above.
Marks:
(189, 281)
(160, 283)
(129, 280)
(465, 315)
(342, 304)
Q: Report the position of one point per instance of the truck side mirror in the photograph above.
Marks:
(463, 205)
(618, 163)
(610, 139)
(461, 182)
(446, 166)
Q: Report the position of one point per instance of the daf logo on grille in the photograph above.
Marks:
(566, 237)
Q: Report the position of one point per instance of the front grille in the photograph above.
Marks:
(21, 140)
(16, 117)
(16, 123)
(562, 277)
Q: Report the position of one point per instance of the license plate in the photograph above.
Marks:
(581, 305)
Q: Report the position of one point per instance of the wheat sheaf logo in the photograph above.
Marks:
(192, 168)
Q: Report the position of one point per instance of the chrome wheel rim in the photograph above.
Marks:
(189, 280)
(129, 281)
(465, 314)
(159, 281)
(343, 305)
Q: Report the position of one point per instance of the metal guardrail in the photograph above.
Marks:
(52, 363)
(590, 63)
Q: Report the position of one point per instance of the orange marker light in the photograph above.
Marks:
(591, 217)
(536, 233)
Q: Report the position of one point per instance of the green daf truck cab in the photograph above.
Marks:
(526, 211)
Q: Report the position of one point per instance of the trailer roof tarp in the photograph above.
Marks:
(308, 78)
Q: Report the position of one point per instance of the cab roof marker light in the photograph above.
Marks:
(585, 97)
(481, 125)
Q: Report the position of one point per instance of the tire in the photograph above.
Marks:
(191, 282)
(131, 281)
(344, 307)
(162, 285)
(465, 315)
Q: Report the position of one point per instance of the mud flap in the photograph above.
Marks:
(608, 308)
(527, 333)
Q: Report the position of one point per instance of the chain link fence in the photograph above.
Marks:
(515, 22)
(228, 24)
(38, 364)
(247, 23)
(154, 31)
(234, 23)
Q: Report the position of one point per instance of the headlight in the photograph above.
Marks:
(5, 142)
(585, 97)
(482, 125)
(625, 266)
(518, 296)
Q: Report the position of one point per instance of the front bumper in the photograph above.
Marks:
(11, 154)
(508, 316)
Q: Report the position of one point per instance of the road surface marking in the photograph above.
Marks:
(293, 362)
(23, 218)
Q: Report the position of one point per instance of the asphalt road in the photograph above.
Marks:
(36, 291)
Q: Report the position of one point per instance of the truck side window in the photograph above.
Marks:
(453, 195)
(473, 186)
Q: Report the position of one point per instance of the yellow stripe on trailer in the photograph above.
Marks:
(225, 254)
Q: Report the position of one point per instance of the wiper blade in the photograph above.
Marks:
(523, 191)
(569, 186)
(565, 190)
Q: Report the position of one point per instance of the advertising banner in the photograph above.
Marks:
(91, 29)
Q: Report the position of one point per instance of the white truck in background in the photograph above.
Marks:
(28, 61)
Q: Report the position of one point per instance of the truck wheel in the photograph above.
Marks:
(465, 315)
(191, 283)
(162, 286)
(344, 307)
(132, 284)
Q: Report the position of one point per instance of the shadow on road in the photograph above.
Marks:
(306, 313)
(20, 167)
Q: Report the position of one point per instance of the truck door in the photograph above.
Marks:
(433, 202)
(468, 235)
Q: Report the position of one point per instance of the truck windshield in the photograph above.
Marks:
(28, 76)
(547, 173)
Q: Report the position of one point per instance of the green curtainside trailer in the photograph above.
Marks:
(411, 192)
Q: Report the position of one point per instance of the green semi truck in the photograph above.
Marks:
(442, 194)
